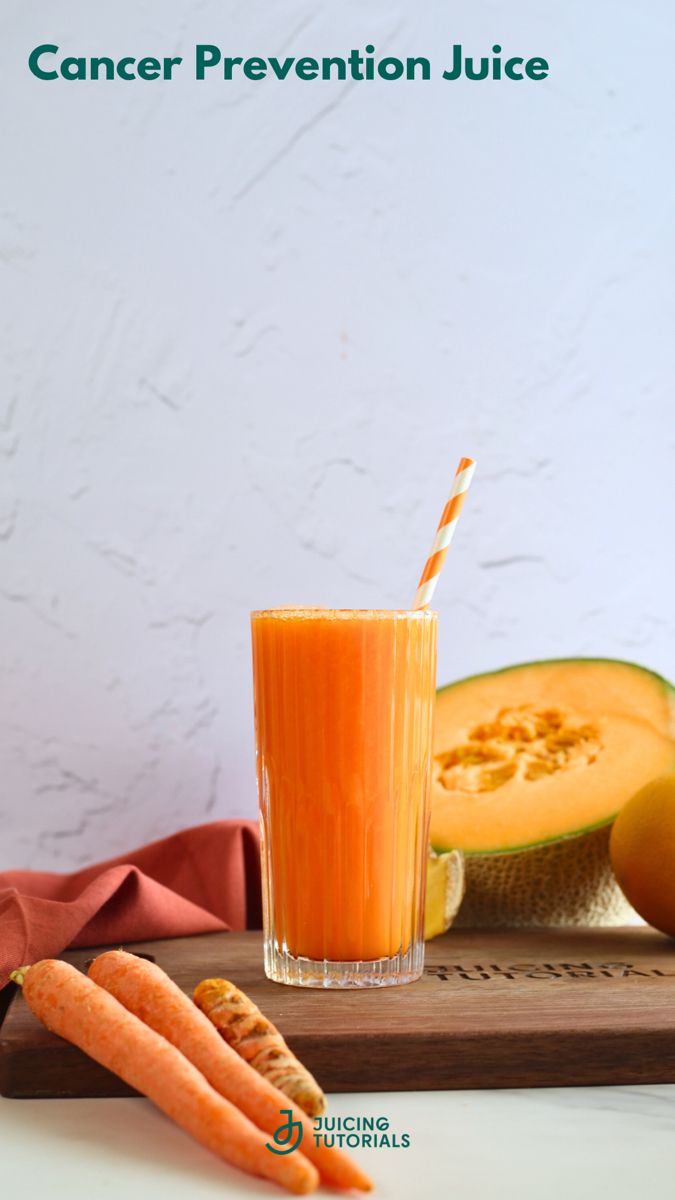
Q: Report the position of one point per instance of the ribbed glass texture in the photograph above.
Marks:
(343, 708)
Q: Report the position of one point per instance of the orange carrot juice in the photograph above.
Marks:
(344, 705)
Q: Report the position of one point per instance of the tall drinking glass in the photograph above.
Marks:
(344, 703)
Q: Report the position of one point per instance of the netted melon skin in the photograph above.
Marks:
(570, 882)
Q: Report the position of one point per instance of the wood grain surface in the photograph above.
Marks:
(512, 1008)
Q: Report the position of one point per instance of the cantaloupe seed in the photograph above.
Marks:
(523, 742)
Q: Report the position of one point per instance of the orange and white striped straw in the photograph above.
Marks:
(444, 533)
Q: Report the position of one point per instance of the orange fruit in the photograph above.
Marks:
(642, 850)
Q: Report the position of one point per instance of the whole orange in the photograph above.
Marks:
(642, 849)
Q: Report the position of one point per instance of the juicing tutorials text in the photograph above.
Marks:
(48, 62)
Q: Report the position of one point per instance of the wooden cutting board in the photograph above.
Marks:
(516, 1008)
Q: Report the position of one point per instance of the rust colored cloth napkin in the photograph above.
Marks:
(196, 881)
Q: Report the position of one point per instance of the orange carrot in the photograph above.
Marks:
(146, 990)
(77, 1009)
(255, 1038)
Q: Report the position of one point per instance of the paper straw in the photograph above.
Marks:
(444, 533)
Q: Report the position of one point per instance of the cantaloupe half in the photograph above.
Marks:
(531, 765)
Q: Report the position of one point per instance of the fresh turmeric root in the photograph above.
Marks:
(243, 1026)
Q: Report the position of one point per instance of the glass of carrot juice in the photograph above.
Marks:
(344, 702)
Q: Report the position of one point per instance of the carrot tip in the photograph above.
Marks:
(19, 975)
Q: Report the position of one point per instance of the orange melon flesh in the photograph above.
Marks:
(543, 751)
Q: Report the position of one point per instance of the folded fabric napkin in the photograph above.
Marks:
(196, 881)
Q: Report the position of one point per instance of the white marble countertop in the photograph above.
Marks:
(557, 1144)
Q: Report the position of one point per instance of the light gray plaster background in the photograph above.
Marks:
(247, 331)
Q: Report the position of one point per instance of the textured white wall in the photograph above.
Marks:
(247, 331)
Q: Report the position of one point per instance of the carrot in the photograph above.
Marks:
(256, 1039)
(74, 1007)
(146, 990)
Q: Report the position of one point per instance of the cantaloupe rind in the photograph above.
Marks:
(569, 882)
